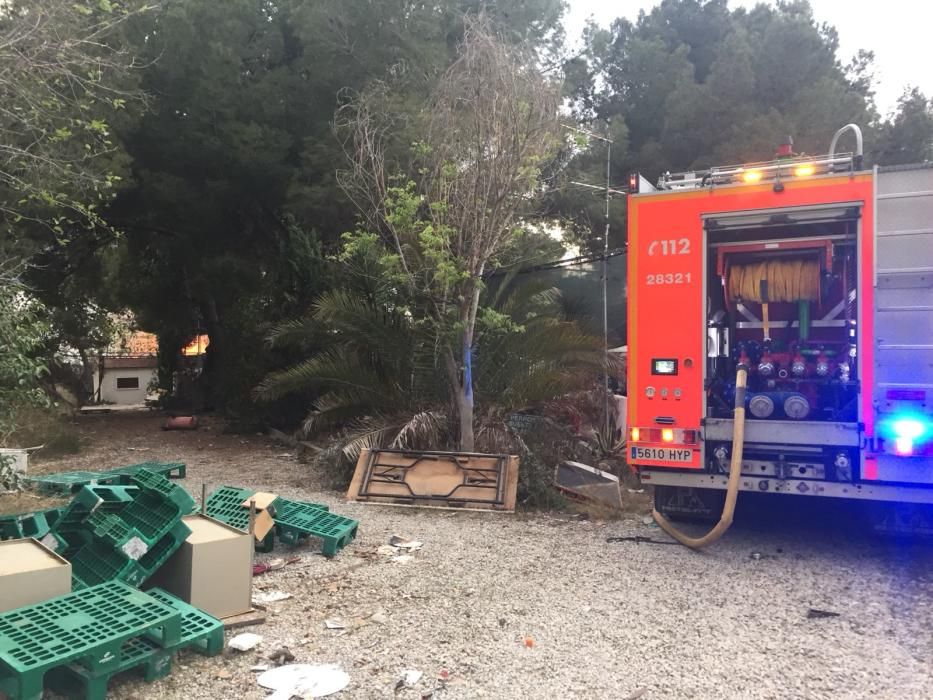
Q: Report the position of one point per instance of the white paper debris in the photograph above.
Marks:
(263, 597)
(134, 548)
(245, 641)
(402, 543)
(334, 624)
(379, 617)
(304, 680)
(411, 677)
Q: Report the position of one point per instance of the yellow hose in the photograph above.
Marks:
(790, 279)
(735, 475)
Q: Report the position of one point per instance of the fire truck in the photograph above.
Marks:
(814, 277)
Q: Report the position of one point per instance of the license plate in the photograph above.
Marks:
(662, 454)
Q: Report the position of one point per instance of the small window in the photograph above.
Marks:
(127, 382)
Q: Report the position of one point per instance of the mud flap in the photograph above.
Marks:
(689, 504)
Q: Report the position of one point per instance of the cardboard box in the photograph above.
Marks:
(30, 573)
(212, 570)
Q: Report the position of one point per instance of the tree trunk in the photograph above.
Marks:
(464, 391)
(465, 399)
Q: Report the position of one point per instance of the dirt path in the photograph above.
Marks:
(605, 620)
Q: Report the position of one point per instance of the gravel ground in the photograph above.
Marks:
(541, 606)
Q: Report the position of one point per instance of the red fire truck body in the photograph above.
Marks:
(818, 276)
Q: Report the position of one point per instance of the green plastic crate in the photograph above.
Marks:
(90, 626)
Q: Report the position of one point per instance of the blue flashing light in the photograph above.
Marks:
(906, 431)
(909, 428)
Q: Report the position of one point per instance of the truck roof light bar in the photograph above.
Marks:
(755, 173)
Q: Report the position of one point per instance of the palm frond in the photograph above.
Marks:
(424, 429)
(326, 369)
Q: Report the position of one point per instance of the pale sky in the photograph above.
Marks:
(898, 31)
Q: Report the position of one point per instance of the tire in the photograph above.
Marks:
(689, 504)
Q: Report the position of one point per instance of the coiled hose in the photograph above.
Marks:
(735, 475)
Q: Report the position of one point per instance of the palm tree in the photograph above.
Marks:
(378, 374)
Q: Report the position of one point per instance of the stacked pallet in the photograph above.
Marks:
(121, 533)
(87, 637)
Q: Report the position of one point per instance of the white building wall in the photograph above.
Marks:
(110, 393)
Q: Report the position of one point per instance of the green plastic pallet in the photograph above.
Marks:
(71, 531)
(199, 631)
(296, 521)
(160, 486)
(203, 632)
(170, 470)
(226, 505)
(70, 482)
(36, 524)
(88, 626)
(74, 680)
(99, 561)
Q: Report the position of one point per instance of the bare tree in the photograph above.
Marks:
(63, 71)
(489, 128)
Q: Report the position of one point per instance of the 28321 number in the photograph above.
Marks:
(669, 278)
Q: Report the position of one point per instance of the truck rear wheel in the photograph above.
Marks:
(689, 504)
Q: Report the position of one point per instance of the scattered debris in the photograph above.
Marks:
(245, 620)
(222, 673)
(273, 565)
(755, 555)
(635, 490)
(379, 617)
(304, 680)
(403, 558)
(401, 543)
(386, 550)
(281, 656)
(815, 614)
(245, 641)
(266, 597)
(332, 623)
(639, 539)
(647, 520)
(583, 482)
(529, 642)
(258, 668)
(411, 677)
